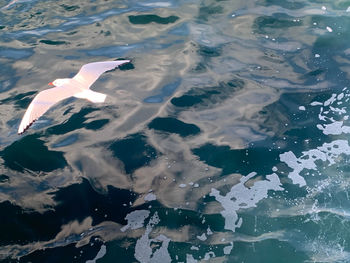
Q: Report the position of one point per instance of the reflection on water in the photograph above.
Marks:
(225, 139)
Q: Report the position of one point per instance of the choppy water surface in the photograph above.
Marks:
(225, 139)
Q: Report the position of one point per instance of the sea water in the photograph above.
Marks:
(226, 139)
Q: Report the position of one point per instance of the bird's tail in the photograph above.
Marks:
(92, 96)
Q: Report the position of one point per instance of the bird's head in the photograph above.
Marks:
(59, 82)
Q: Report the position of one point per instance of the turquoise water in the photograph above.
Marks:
(224, 140)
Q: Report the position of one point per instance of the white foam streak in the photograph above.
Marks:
(99, 255)
(143, 248)
(241, 197)
(135, 219)
(327, 152)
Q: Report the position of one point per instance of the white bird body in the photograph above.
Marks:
(78, 86)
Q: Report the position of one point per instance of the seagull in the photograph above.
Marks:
(78, 86)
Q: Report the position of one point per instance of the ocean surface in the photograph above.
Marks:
(226, 139)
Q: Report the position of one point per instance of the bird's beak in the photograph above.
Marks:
(50, 84)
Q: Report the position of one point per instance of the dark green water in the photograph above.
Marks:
(224, 140)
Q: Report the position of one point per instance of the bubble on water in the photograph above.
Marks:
(135, 219)
(150, 197)
(190, 259)
(209, 255)
(209, 232)
(227, 249)
(329, 29)
(202, 237)
(99, 255)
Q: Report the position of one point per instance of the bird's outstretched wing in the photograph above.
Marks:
(42, 102)
(89, 73)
